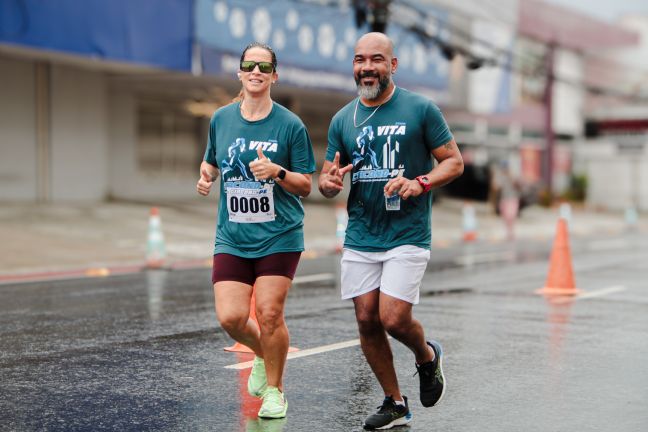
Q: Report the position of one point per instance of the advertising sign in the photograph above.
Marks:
(314, 43)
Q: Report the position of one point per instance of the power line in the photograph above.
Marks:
(509, 63)
(411, 18)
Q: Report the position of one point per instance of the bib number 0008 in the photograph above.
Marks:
(250, 205)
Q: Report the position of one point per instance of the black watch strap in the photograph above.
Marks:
(282, 174)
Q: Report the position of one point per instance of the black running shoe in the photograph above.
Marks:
(432, 381)
(389, 415)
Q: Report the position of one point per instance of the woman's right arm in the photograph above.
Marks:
(208, 174)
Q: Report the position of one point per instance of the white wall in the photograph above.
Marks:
(642, 174)
(568, 94)
(78, 135)
(93, 140)
(502, 11)
(122, 132)
(612, 185)
(615, 181)
(633, 59)
(126, 180)
(491, 87)
(17, 131)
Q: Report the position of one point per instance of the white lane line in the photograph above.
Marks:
(592, 294)
(319, 277)
(303, 353)
(602, 292)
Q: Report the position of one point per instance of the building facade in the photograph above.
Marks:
(109, 101)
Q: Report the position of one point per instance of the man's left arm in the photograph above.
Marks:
(450, 166)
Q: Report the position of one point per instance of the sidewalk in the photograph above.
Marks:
(93, 237)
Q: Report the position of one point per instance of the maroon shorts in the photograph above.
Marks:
(233, 268)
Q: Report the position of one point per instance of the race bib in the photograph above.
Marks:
(246, 205)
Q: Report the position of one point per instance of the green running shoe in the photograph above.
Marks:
(274, 404)
(257, 381)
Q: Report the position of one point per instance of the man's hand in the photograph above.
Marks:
(262, 168)
(403, 187)
(332, 177)
(206, 180)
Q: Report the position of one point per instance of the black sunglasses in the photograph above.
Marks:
(249, 65)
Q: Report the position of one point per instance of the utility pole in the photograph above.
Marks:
(548, 105)
(375, 12)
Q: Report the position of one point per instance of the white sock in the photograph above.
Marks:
(399, 402)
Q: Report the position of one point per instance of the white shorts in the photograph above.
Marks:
(397, 272)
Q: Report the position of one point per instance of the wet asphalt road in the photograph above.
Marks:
(145, 352)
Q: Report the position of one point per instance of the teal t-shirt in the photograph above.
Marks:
(382, 143)
(258, 218)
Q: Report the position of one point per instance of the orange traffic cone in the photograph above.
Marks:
(241, 348)
(155, 251)
(469, 223)
(560, 280)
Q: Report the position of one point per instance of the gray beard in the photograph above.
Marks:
(369, 93)
(373, 92)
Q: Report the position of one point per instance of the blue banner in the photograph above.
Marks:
(314, 43)
(151, 32)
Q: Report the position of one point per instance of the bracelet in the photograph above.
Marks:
(425, 183)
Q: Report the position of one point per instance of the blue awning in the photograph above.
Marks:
(314, 43)
(150, 32)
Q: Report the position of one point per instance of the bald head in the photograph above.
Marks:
(373, 66)
(377, 42)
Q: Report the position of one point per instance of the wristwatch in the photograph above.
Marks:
(425, 183)
(281, 175)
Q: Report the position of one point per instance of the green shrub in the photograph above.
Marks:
(577, 188)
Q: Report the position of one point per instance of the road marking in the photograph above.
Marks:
(303, 353)
(602, 292)
(61, 275)
(592, 294)
(319, 277)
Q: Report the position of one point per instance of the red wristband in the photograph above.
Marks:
(425, 183)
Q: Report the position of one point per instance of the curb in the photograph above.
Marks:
(117, 270)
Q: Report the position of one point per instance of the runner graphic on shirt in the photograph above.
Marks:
(364, 149)
(365, 159)
(234, 159)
